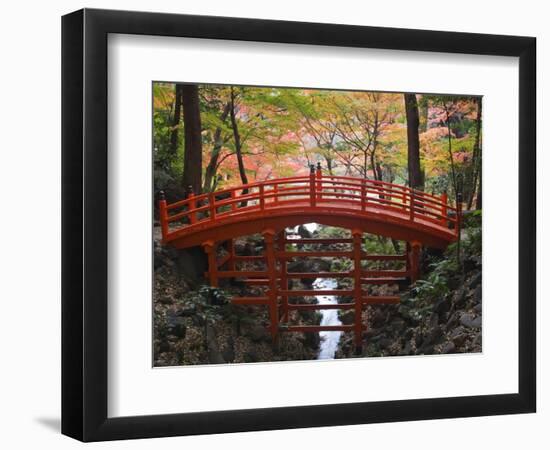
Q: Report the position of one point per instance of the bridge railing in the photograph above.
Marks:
(315, 191)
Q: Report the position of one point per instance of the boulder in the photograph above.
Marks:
(449, 347)
(470, 320)
(304, 233)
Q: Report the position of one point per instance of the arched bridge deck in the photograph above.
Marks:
(355, 203)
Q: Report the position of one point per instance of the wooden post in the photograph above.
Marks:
(269, 236)
(312, 196)
(284, 278)
(192, 205)
(319, 176)
(412, 205)
(444, 208)
(212, 204)
(275, 195)
(415, 260)
(262, 199)
(363, 195)
(163, 215)
(234, 203)
(358, 332)
(210, 250)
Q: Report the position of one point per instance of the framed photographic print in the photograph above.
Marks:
(274, 224)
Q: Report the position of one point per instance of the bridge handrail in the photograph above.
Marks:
(350, 192)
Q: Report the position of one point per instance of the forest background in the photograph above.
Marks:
(209, 137)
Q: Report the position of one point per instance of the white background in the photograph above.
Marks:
(135, 389)
(30, 314)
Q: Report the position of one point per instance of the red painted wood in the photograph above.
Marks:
(249, 258)
(319, 241)
(316, 307)
(208, 216)
(385, 273)
(269, 236)
(382, 280)
(250, 300)
(192, 207)
(163, 213)
(381, 299)
(284, 275)
(210, 249)
(314, 293)
(314, 254)
(357, 272)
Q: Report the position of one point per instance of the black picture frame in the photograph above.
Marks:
(84, 224)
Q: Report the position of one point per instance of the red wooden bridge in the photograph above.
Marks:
(269, 207)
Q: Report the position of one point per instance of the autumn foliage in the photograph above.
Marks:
(258, 133)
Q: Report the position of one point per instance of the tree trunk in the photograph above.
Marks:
(192, 159)
(424, 109)
(478, 199)
(476, 161)
(373, 166)
(450, 150)
(238, 145)
(176, 120)
(210, 172)
(329, 165)
(413, 142)
(478, 148)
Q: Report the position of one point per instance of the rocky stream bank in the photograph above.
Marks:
(196, 324)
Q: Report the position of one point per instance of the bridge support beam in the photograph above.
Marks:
(269, 238)
(210, 250)
(284, 275)
(357, 271)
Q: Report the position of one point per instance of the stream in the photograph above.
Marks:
(329, 339)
